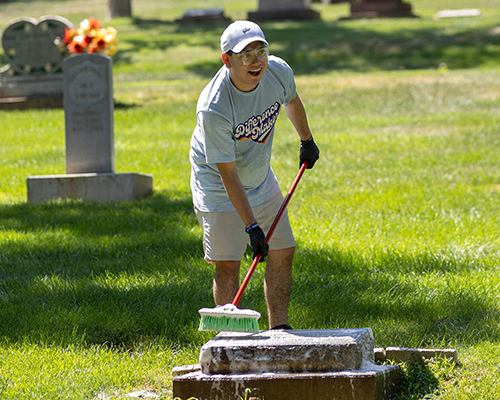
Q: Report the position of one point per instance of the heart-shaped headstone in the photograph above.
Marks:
(30, 44)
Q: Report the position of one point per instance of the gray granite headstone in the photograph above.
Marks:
(90, 159)
(88, 110)
(266, 5)
(283, 9)
(380, 9)
(35, 59)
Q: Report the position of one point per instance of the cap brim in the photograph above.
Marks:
(240, 46)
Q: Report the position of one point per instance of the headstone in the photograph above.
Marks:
(34, 74)
(472, 12)
(88, 111)
(204, 15)
(289, 364)
(283, 10)
(380, 9)
(90, 159)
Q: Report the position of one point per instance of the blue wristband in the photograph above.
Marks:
(251, 227)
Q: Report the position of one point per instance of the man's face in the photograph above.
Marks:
(246, 69)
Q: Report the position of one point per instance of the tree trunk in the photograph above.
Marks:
(119, 8)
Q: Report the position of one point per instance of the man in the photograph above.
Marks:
(235, 192)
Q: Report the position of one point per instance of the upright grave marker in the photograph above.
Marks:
(90, 160)
(88, 110)
(380, 9)
(283, 9)
(33, 77)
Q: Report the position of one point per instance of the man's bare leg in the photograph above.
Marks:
(277, 283)
(226, 281)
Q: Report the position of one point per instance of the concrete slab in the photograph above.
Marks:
(92, 187)
(288, 351)
(371, 383)
(473, 12)
(404, 354)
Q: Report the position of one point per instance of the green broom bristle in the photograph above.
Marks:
(230, 324)
(229, 318)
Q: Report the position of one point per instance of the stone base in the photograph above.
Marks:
(301, 350)
(26, 103)
(371, 383)
(380, 9)
(93, 187)
(287, 365)
(22, 93)
(283, 14)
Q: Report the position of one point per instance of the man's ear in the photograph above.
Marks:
(226, 60)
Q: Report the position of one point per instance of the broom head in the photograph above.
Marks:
(229, 318)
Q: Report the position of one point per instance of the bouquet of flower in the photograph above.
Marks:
(91, 38)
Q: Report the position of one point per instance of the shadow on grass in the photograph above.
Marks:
(417, 381)
(408, 301)
(113, 273)
(312, 47)
(133, 272)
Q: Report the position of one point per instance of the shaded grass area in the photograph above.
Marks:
(320, 47)
(104, 273)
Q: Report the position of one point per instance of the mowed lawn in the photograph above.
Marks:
(397, 225)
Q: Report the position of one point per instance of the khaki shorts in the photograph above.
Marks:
(224, 236)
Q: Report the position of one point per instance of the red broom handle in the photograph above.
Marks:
(270, 233)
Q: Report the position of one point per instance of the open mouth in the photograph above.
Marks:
(255, 72)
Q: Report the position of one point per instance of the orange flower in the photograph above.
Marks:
(79, 44)
(69, 34)
(90, 24)
(97, 45)
(90, 37)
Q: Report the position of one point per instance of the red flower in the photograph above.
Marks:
(91, 38)
(79, 44)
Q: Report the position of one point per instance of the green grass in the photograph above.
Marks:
(397, 225)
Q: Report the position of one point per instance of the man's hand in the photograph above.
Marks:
(308, 152)
(257, 241)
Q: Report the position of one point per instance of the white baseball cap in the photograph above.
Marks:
(240, 34)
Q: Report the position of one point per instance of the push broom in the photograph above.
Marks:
(229, 317)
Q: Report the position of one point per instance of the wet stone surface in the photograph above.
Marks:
(288, 351)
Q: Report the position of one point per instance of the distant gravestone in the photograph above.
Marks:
(283, 10)
(204, 15)
(34, 72)
(88, 110)
(89, 120)
(380, 9)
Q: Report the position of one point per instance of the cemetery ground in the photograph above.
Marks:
(397, 226)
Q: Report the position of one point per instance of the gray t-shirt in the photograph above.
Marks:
(238, 126)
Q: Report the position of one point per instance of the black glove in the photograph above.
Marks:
(308, 152)
(257, 241)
